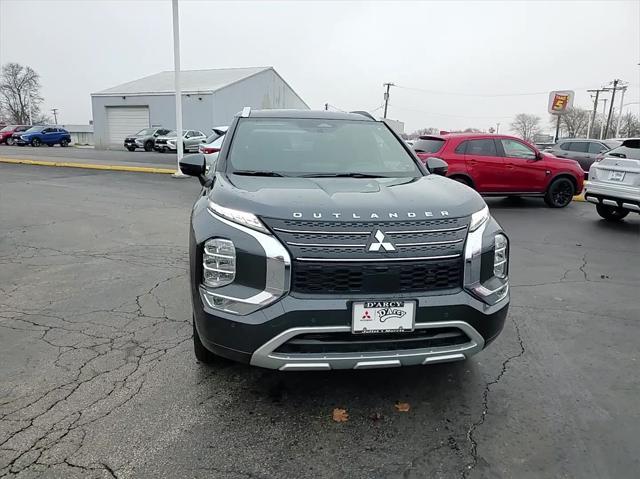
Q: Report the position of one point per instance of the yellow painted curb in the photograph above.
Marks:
(579, 197)
(89, 166)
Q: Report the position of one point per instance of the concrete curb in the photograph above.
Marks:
(90, 166)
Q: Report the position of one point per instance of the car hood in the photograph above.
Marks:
(346, 199)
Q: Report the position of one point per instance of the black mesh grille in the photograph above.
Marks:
(376, 278)
(327, 343)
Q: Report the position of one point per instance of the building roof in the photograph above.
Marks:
(191, 81)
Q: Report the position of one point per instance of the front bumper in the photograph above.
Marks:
(611, 194)
(256, 338)
(22, 141)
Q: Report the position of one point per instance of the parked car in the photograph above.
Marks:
(324, 243)
(191, 139)
(614, 181)
(6, 134)
(500, 165)
(582, 150)
(144, 139)
(213, 144)
(44, 135)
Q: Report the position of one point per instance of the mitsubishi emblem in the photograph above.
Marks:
(381, 243)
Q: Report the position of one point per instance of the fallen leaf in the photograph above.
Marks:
(402, 406)
(340, 415)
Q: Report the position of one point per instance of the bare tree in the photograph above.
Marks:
(20, 97)
(574, 122)
(629, 126)
(525, 125)
(422, 132)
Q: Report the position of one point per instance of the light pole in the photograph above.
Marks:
(604, 114)
(176, 80)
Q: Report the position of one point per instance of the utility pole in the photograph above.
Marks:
(604, 109)
(592, 120)
(623, 89)
(497, 128)
(55, 115)
(613, 97)
(326, 106)
(176, 80)
(386, 97)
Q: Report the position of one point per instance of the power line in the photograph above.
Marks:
(433, 113)
(486, 95)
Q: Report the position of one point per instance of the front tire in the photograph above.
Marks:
(560, 193)
(148, 145)
(64, 143)
(36, 142)
(10, 141)
(131, 148)
(611, 213)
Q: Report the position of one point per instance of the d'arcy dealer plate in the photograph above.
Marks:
(383, 316)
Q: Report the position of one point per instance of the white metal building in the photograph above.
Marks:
(209, 98)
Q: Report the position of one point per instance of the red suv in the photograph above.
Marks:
(499, 165)
(7, 131)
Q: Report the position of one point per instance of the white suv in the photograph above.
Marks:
(614, 182)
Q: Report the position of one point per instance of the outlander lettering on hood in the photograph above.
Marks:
(320, 241)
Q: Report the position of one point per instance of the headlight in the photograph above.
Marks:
(478, 218)
(241, 217)
(218, 263)
(500, 256)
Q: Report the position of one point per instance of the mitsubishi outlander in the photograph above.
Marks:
(320, 241)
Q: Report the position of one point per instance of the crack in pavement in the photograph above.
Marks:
(469, 467)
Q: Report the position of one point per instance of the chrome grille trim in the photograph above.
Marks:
(328, 245)
(367, 233)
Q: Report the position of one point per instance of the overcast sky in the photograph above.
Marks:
(340, 52)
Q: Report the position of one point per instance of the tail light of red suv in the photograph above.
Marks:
(207, 150)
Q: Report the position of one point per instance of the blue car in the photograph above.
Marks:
(44, 135)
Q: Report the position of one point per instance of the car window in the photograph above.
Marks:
(46, 130)
(213, 137)
(515, 149)
(630, 149)
(486, 147)
(199, 133)
(580, 146)
(460, 149)
(311, 147)
(566, 146)
(595, 147)
(428, 145)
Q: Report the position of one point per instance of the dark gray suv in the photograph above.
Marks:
(584, 151)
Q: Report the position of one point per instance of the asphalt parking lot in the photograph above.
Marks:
(78, 154)
(99, 378)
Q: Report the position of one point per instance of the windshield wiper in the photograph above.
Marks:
(343, 175)
(256, 173)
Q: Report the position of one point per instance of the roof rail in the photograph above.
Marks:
(246, 111)
(363, 113)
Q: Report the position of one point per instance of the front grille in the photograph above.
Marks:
(327, 343)
(376, 278)
(161, 142)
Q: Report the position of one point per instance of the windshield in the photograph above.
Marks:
(319, 147)
(430, 145)
(8, 128)
(172, 133)
(33, 129)
(146, 132)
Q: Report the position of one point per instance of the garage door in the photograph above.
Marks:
(123, 121)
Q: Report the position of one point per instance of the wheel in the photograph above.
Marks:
(148, 145)
(36, 142)
(64, 143)
(131, 148)
(462, 179)
(611, 213)
(560, 193)
(10, 141)
(202, 354)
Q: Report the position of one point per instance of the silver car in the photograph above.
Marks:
(191, 140)
(614, 181)
(584, 151)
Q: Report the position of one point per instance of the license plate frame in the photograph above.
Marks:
(383, 316)
(616, 175)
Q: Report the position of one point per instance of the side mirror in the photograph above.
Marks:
(437, 166)
(539, 156)
(194, 165)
